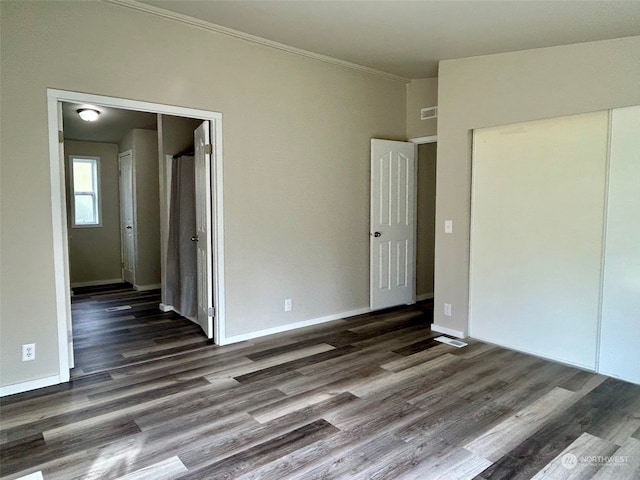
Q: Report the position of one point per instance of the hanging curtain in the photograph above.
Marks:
(181, 250)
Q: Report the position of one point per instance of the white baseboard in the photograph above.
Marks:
(95, 283)
(292, 326)
(589, 368)
(424, 296)
(626, 378)
(30, 385)
(144, 288)
(447, 331)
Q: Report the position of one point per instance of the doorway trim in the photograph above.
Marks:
(59, 208)
(423, 140)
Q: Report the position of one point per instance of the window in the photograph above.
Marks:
(85, 190)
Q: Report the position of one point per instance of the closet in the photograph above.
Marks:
(555, 239)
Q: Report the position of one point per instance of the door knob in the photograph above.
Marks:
(194, 238)
(377, 234)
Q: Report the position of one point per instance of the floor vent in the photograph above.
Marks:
(117, 309)
(451, 341)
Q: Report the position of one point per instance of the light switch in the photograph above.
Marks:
(448, 226)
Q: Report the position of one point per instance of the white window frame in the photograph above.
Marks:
(97, 195)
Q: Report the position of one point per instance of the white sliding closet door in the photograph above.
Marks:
(536, 236)
(620, 337)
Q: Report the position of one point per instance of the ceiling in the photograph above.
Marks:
(408, 38)
(110, 127)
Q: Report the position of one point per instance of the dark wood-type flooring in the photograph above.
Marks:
(369, 397)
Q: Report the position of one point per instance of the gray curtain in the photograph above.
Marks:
(181, 250)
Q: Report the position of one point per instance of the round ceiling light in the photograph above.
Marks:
(88, 114)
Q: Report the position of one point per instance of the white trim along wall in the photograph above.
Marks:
(219, 29)
(423, 140)
(94, 283)
(31, 385)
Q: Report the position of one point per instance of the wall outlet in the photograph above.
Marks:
(448, 226)
(288, 304)
(28, 352)
(447, 309)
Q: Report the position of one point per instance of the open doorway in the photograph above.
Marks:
(426, 220)
(212, 157)
(110, 241)
(403, 200)
(186, 243)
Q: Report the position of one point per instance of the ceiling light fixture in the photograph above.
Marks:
(88, 114)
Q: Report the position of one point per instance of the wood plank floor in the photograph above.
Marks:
(369, 397)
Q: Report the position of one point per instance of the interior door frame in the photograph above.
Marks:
(421, 141)
(416, 141)
(59, 205)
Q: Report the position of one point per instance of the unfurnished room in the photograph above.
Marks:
(306, 239)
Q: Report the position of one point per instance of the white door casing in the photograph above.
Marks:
(392, 224)
(203, 156)
(65, 246)
(127, 216)
(59, 217)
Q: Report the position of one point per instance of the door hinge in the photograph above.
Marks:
(60, 136)
(211, 311)
(208, 149)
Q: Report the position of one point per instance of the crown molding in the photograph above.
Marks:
(195, 22)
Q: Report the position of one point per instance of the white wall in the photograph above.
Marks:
(296, 136)
(502, 89)
(421, 93)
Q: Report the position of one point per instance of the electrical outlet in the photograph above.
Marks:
(288, 304)
(28, 352)
(448, 226)
(447, 309)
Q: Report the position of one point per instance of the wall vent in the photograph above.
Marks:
(451, 341)
(428, 113)
(118, 308)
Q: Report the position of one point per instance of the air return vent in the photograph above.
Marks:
(428, 113)
(118, 308)
(451, 341)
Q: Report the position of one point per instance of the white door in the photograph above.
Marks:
(392, 253)
(203, 154)
(127, 217)
(620, 317)
(537, 204)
